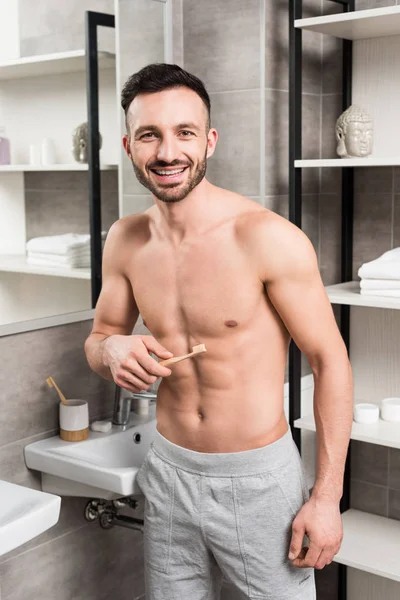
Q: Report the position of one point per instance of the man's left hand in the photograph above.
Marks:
(321, 521)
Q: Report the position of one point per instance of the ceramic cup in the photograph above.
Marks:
(74, 420)
(365, 412)
(390, 409)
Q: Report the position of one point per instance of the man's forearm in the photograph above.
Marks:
(94, 354)
(333, 411)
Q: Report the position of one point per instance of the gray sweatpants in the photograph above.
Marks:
(209, 515)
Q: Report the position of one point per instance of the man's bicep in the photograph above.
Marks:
(298, 295)
(116, 310)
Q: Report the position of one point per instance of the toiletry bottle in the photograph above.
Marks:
(5, 157)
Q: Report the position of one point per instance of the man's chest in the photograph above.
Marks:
(200, 289)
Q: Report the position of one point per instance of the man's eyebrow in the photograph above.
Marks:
(143, 128)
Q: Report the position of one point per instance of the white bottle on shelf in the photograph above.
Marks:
(48, 152)
(5, 155)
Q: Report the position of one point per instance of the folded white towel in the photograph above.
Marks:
(71, 264)
(386, 293)
(61, 244)
(380, 284)
(58, 259)
(387, 266)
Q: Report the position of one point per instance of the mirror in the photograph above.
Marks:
(43, 183)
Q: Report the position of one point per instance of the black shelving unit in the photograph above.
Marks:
(92, 21)
(295, 213)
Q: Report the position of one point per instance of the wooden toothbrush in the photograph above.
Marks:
(51, 383)
(174, 359)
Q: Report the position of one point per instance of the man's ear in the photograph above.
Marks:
(126, 143)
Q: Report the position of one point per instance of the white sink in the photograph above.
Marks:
(24, 514)
(103, 466)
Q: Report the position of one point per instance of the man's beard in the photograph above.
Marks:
(168, 193)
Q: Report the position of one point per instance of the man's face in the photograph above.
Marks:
(168, 142)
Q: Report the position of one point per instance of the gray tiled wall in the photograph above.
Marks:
(74, 559)
(49, 26)
(57, 202)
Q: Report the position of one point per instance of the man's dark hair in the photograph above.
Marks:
(157, 77)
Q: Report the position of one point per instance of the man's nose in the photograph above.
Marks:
(167, 149)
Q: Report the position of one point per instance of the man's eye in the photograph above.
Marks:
(146, 134)
(189, 132)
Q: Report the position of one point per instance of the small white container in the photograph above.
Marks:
(74, 420)
(390, 409)
(34, 154)
(365, 412)
(48, 154)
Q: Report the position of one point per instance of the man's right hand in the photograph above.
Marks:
(128, 358)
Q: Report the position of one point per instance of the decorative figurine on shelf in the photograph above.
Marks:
(80, 143)
(354, 133)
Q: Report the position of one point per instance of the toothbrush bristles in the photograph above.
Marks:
(199, 348)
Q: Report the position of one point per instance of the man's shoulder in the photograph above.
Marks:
(274, 243)
(256, 221)
(131, 226)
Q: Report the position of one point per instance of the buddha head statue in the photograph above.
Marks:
(354, 133)
(80, 143)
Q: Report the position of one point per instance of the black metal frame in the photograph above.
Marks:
(92, 21)
(295, 209)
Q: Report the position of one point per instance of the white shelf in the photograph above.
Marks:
(349, 293)
(349, 162)
(51, 64)
(56, 167)
(356, 25)
(15, 263)
(382, 433)
(370, 543)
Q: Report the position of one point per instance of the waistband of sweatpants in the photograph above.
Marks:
(224, 464)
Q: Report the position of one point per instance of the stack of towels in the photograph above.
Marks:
(70, 250)
(381, 277)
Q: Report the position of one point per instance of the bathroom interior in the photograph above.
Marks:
(240, 49)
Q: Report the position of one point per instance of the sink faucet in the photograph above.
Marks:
(122, 408)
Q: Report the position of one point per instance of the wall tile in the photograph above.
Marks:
(331, 110)
(369, 463)
(276, 51)
(331, 181)
(369, 498)
(373, 181)
(177, 32)
(394, 504)
(396, 180)
(47, 27)
(57, 351)
(222, 43)
(396, 220)
(330, 234)
(372, 228)
(58, 194)
(136, 204)
(394, 468)
(89, 563)
(235, 162)
(332, 64)
(366, 4)
(311, 127)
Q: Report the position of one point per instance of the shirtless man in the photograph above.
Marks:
(224, 483)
